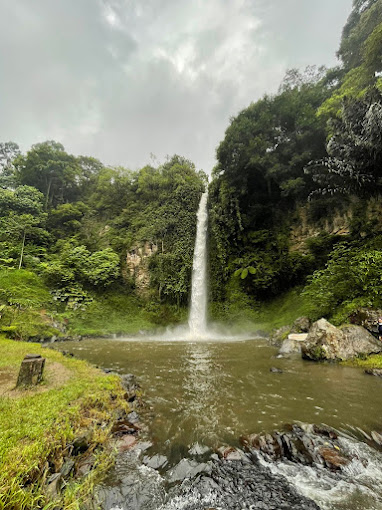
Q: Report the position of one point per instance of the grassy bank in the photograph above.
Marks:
(265, 316)
(38, 425)
(374, 361)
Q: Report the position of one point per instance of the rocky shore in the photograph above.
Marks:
(321, 341)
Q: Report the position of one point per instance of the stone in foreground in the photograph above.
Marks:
(31, 370)
(293, 343)
(326, 342)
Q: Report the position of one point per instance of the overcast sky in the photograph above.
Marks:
(121, 79)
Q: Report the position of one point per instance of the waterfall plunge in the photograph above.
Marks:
(198, 311)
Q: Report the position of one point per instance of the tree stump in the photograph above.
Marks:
(31, 370)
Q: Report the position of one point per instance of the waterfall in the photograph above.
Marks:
(198, 311)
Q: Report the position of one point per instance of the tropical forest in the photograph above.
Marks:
(175, 337)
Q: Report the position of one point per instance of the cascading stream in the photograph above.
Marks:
(198, 311)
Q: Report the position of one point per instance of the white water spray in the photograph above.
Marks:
(198, 311)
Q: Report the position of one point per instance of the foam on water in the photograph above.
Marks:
(358, 487)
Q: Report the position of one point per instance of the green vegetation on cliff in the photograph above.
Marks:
(315, 146)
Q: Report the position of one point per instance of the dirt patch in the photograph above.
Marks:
(55, 376)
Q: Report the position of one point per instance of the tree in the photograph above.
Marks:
(355, 150)
(52, 171)
(9, 152)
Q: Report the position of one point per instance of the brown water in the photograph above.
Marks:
(213, 392)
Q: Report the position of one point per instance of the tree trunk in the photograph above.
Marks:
(31, 370)
(22, 251)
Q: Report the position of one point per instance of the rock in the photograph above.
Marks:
(301, 325)
(292, 345)
(311, 445)
(198, 450)
(279, 335)
(67, 468)
(333, 459)
(54, 485)
(155, 462)
(366, 317)
(31, 370)
(374, 371)
(377, 437)
(130, 384)
(126, 442)
(133, 417)
(326, 342)
(230, 453)
(122, 427)
(187, 469)
(276, 370)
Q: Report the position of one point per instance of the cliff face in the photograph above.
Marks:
(338, 223)
(137, 263)
(303, 228)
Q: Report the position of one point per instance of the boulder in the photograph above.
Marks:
(301, 325)
(279, 335)
(366, 317)
(326, 342)
(292, 345)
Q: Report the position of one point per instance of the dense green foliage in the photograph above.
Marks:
(100, 238)
(311, 151)
(70, 224)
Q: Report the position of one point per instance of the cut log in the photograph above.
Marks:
(31, 370)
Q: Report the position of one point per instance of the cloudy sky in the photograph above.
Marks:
(123, 79)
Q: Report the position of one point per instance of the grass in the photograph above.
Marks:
(282, 311)
(36, 425)
(111, 313)
(373, 361)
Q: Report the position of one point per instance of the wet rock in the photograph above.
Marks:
(376, 437)
(276, 370)
(237, 486)
(187, 469)
(155, 462)
(133, 417)
(279, 335)
(130, 385)
(301, 325)
(122, 427)
(229, 453)
(67, 468)
(293, 344)
(198, 450)
(127, 442)
(324, 430)
(326, 342)
(54, 485)
(312, 445)
(31, 370)
(377, 372)
(333, 459)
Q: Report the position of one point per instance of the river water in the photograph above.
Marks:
(210, 393)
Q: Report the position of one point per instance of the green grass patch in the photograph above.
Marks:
(374, 361)
(37, 424)
(283, 310)
(110, 313)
